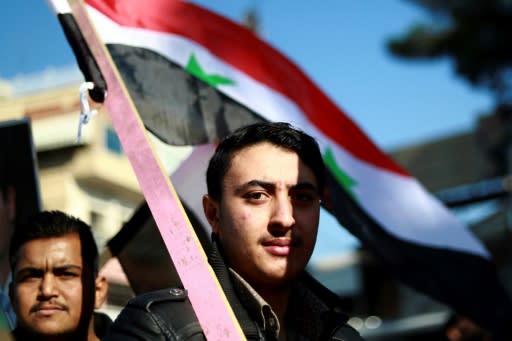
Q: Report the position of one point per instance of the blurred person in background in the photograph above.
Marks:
(55, 286)
(460, 328)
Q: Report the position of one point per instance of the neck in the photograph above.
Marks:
(91, 334)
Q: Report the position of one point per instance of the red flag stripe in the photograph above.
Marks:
(240, 48)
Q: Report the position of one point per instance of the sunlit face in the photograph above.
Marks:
(268, 217)
(48, 285)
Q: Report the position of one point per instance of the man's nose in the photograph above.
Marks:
(47, 286)
(282, 213)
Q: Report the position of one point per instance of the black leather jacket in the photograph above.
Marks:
(159, 315)
(167, 315)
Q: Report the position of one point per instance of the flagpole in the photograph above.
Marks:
(208, 300)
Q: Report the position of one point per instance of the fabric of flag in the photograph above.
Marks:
(195, 76)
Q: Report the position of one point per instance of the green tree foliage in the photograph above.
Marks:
(475, 34)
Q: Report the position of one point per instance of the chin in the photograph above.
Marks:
(51, 330)
(280, 278)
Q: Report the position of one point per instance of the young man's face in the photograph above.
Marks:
(268, 217)
(48, 285)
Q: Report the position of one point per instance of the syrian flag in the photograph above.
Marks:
(194, 76)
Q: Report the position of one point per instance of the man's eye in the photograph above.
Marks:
(304, 197)
(255, 196)
(67, 274)
(29, 277)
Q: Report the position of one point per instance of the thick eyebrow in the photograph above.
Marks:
(67, 267)
(60, 268)
(28, 270)
(270, 186)
(305, 186)
(254, 183)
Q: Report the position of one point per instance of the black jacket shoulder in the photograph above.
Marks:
(160, 315)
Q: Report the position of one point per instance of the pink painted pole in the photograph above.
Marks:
(208, 300)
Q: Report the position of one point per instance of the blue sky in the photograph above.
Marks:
(340, 44)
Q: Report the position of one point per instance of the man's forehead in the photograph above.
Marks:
(261, 152)
(269, 162)
(55, 249)
(276, 186)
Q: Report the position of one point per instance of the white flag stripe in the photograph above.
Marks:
(189, 179)
(59, 6)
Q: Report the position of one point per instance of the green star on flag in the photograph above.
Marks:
(347, 182)
(213, 80)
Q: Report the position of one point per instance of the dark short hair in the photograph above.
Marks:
(48, 224)
(280, 134)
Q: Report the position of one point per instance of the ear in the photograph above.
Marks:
(101, 288)
(211, 212)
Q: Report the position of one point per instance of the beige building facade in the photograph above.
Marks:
(91, 179)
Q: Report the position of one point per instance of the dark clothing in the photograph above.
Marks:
(101, 325)
(313, 313)
(159, 315)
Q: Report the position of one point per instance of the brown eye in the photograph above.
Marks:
(304, 197)
(28, 275)
(67, 273)
(28, 278)
(256, 196)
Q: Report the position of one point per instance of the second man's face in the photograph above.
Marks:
(48, 285)
(268, 217)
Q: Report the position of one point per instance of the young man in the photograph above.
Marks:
(265, 184)
(55, 286)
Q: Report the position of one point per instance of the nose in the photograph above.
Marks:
(47, 286)
(282, 213)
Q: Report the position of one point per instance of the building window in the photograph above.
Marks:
(112, 141)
